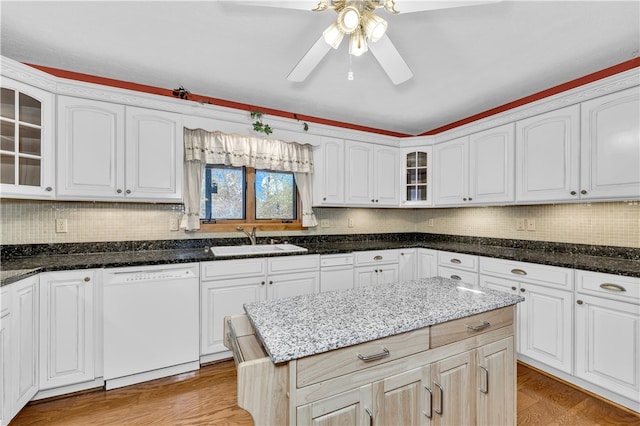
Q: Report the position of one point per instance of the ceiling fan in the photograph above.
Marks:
(366, 31)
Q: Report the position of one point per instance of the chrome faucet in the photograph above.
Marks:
(252, 235)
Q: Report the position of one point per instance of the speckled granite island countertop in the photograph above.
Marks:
(300, 326)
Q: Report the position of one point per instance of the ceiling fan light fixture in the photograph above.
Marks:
(349, 19)
(374, 26)
(357, 43)
(333, 35)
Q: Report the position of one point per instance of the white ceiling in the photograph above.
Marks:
(465, 60)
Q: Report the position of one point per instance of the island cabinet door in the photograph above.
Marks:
(496, 383)
(353, 407)
(403, 399)
(453, 385)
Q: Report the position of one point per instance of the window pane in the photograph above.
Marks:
(8, 102)
(275, 195)
(7, 136)
(29, 109)
(7, 169)
(29, 172)
(222, 193)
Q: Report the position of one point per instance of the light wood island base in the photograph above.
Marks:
(456, 372)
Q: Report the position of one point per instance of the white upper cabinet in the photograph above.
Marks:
(548, 156)
(26, 141)
(328, 176)
(416, 177)
(476, 169)
(491, 166)
(610, 149)
(371, 175)
(113, 152)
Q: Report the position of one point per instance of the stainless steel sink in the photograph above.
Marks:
(225, 251)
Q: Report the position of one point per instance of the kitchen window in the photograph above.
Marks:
(231, 196)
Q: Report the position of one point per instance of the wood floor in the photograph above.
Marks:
(208, 397)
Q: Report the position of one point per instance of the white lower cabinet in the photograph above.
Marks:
(607, 324)
(458, 266)
(407, 266)
(376, 267)
(226, 285)
(18, 346)
(426, 263)
(545, 318)
(68, 328)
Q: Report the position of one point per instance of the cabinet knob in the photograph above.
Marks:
(583, 192)
(464, 199)
(87, 279)
(514, 288)
(48, 189)
(119, 191)
(128, 191)
(373, 201)
(270, 282)
(573, 192)
(376, 201)
(262, 283)
(470, 198)
(579, 302)
(324, 198)
(522, 290)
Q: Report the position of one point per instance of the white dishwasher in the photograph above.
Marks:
(151, 323)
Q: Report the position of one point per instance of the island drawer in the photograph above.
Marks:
(459, 329)
(327, 365)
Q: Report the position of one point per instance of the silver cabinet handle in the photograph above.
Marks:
(368, 358)
(482, 326)
(429, 413)
(377, 257)
(518, 271)
(455, 277)
(486, 380)
(612, 287)
(441, 399)
(370, 414)
(456, 261)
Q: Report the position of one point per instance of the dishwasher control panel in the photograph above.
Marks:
(135, 275)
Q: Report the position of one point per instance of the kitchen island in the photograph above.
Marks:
(430, 351)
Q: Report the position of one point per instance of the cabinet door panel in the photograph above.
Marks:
(548, 156)
(91, 146)
(608, 344)
(453, 385)
(223, 298)
(289, 285)
(25, 340)
(359, 175)
(451, 169)
(402, 399)
(491, 165)
(347, 408)
(427, 263)
(546, 326)
(407, 265)
(154, 155)
(386, 180)
(496, 384)
(611, 146)
(66, 328)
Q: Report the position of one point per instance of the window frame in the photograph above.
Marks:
(228, 225)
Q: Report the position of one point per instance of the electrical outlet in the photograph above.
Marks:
(174, 223)
(531, 224)
(350, 222)
(61, 226)
(324, 223)
(520, 226)
(430, 222)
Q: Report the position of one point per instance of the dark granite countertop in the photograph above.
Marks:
(18, 262)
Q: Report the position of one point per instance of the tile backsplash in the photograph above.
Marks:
(612, 224)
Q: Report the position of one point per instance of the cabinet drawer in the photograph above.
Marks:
(324, 366)
(550, 276)
(376, 256)
(455, 274)
(453, 331)
(329, 260)
(467, 262)
(233, 268)
(294, 263)
(617, 287)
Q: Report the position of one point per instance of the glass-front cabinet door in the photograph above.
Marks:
(26, 141)
(416, 177)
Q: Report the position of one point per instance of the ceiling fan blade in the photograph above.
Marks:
(421, 6)
(309, 61)
(390, 60)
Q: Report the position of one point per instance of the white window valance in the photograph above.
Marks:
(202, 147)
(237, 150)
